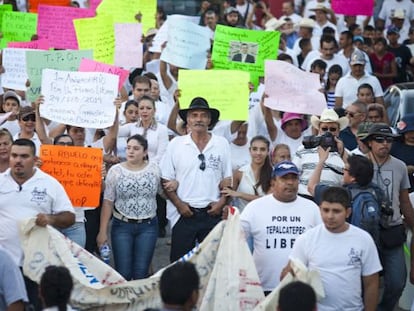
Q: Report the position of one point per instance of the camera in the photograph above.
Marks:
(386, 209)
(325, 140)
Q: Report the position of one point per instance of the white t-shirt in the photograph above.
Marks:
(274, 227)
(341, 259)
(40, 194)
(347, 87)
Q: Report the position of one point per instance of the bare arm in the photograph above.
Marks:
(232, 192)
(338, 102)
(268, 118)
(316, 175)
(371, 291)
(40, 125)
(109, 140)
(106, 214)
(59, 220)
(16, 306)
(182, 207)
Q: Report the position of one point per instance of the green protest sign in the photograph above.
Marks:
(36, 61)
(243, 49)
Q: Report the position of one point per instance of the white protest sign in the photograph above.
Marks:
(84, 99)
(128, 46)
(162, 34)
(15, 74)
(291, 89)
(188, 44)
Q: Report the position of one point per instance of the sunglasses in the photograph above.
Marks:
(202, 158)
(382, 139)
(351, 114)
(30, 117)
(330, 129)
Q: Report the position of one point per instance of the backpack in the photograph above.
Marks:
(366, 209)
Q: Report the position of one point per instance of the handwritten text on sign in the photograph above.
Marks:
(78, 169)
(84, 99)
(15, 75)
(284, 86)
(61, 60)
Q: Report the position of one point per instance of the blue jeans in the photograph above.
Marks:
(133, 246)
(76, 233)
(395, 275)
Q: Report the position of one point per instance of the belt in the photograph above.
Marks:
(200, 209)
(121, 217)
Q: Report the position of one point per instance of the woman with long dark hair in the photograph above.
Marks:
(253, 180)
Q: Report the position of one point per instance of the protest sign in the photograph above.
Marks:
(241, 49)
(128, 45)
(162, 34)
(62, 60)
(188, 44)
(93, 4)
(15, 74)
(41, 44)
(124, 11)
(228, 277)
(18, 26)
(78, 169)
(84, 99)
(88, 65)
(55, 23)
(4, 8)
(96, 33)
(34, 4)
(353, 7)
(225, 90)
(284, 85)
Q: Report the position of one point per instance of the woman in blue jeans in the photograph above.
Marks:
(131, 189)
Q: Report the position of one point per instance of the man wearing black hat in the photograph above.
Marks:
(200, 162)
(391, 175)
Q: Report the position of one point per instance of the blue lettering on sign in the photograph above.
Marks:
(85, 272)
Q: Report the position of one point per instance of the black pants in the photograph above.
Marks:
(188, 231)
(93, 219)
(32, 289)
(161, 212)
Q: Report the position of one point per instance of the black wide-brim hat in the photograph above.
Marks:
(200, 103)
(379, 129)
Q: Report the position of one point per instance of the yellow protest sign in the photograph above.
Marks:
(225, 90)
(78, 169)
(124, 11)
(97, 33)
(243, 49)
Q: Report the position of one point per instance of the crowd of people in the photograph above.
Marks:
(289, 174)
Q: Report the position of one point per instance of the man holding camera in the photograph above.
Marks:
(391, 175)
(306, 158)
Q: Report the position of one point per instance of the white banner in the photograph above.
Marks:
(228, 277)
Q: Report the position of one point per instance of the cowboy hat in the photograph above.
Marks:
(200, 103)
(329, 115)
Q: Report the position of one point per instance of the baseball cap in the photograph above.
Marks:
(363, 129)
(283, 168)
(381, 129)
(11, 94)
(25, 111)
(393, 30)
(357, 58)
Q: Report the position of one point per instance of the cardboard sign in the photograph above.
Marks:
(128, 45)
(78, 169)
(15, 74)
(353, 7)
(41, 44)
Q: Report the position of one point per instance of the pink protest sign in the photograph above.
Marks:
(88, 65)
(353, 7)
(41, 44)
(128, 46)
(284, 85)
(55, 23)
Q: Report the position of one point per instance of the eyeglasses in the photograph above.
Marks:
(63, 143)
(382, 139)
(30, 117)
(331, 129)
(202, 158)
(351, 114)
